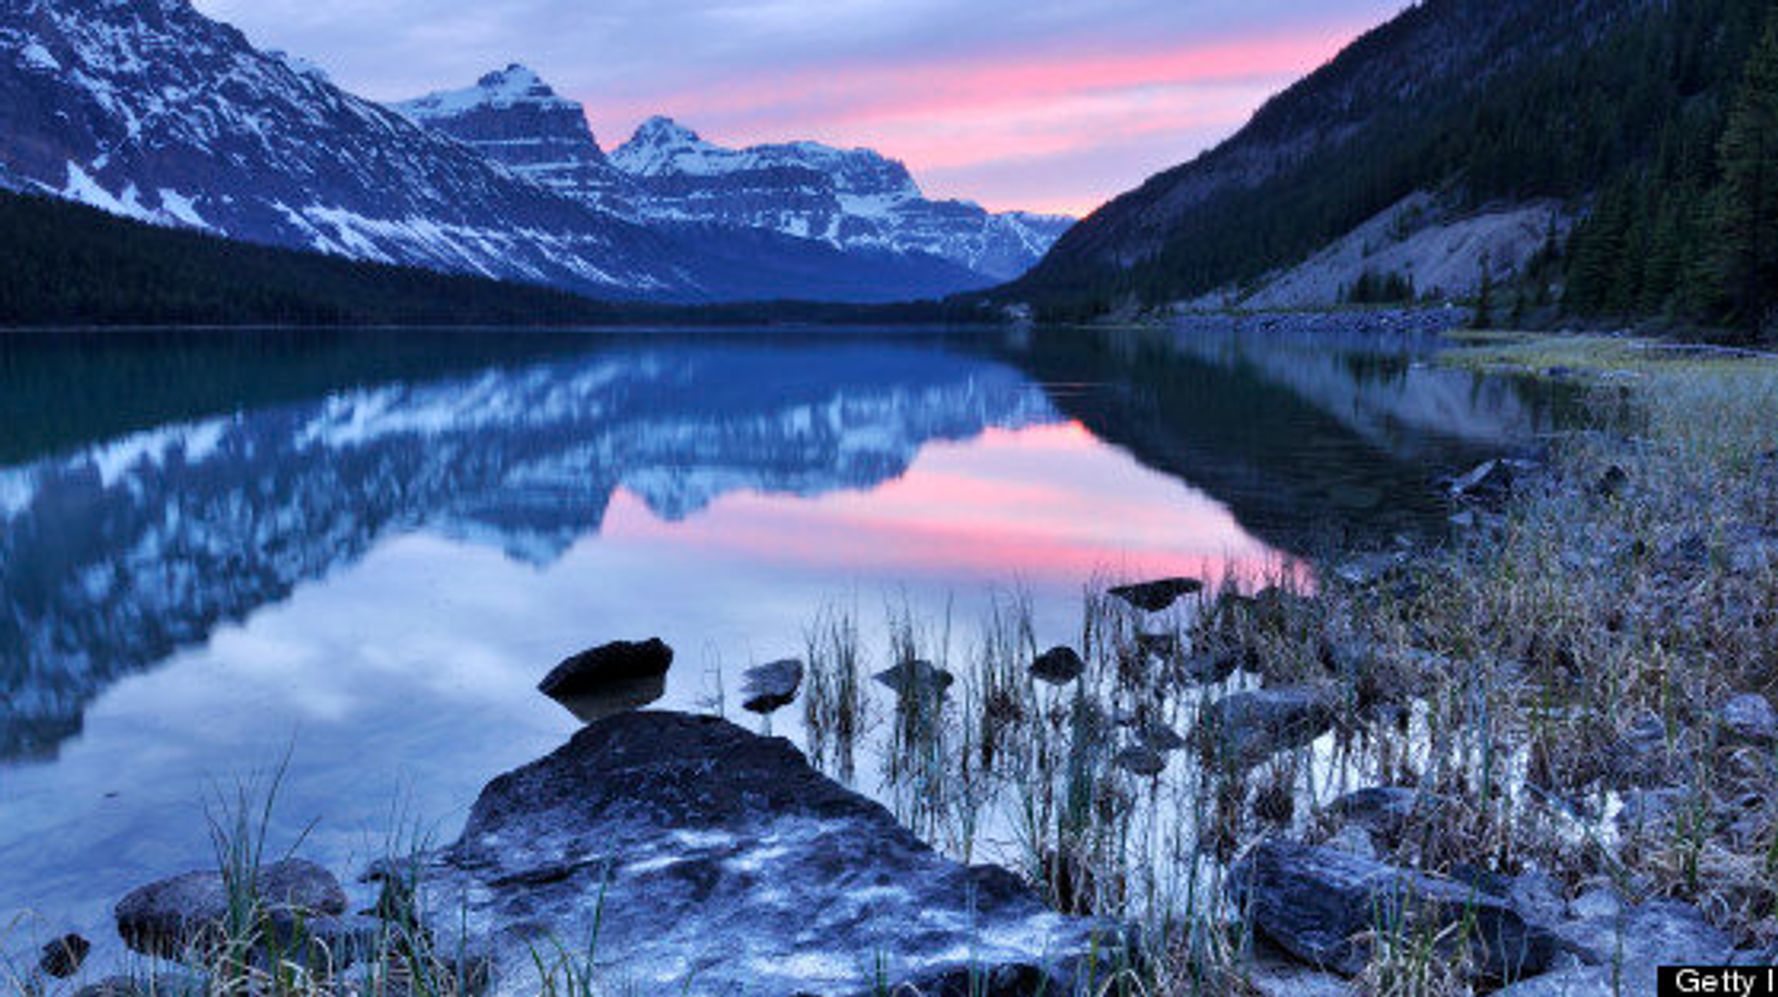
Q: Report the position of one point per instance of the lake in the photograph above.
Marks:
(356, 553)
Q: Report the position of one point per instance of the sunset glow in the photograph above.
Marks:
(1045, 107)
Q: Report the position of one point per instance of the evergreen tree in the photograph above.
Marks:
(1747, 208)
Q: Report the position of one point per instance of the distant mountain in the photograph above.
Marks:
(1463, 137)
(666, 176)
(848, 197)
(147, 109)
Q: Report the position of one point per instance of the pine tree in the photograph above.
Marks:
(1747, 209)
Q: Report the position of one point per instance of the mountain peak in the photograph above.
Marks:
(661, 130)
(515, 86)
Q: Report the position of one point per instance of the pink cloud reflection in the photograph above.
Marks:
(1046, 505)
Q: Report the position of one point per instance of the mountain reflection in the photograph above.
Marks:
(154, 489)
(115, 556)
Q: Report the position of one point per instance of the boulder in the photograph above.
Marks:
(1575, 981)
(701, 852)
(63, 957)
(1058, 666)
(1655, 933)
(1322, 905)
(607, 665)
(772, 686)
(1246, 728)
(186, 912)
(1152, 597)
(1749, 719)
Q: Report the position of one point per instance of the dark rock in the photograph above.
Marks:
(1058, 666)
(1749, 719)
(618, 663)
(704, 852)
(1322, 906)
(63, 957)
(916, 677)
(1140, 760)
(1160, 737)
(1246, 728)
(324, 942)
(1611, 483)
(1155, 596)
(1387, 811)
(1207, 668)
(1271, 973)
(771, 686)
(173, 916)
(1164, 645)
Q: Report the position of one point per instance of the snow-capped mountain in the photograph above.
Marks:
(207, 521)
(847, 197)
(148, 109)
(513, 117)
(667, 175)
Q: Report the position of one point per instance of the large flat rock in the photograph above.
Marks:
(690, 856)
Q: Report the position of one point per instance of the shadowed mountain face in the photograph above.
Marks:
(154, 488)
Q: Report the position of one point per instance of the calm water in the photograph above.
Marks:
(365, 549)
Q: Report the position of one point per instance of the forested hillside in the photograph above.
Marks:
(1650, 119)
(64, 264)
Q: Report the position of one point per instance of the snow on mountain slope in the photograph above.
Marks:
(850, 198)
(146, 108)
(514, 118)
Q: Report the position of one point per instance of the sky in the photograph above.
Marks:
(1033, 104)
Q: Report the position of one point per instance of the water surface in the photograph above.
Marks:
(362, 550)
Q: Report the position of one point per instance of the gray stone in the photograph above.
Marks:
(1246, 728)
(1271, 973)
(1058, 666)
(1322, 905)
(1386, 811)
(704, 852)
(1655, 933)
(1155, 596)
(172, 916)
(771, 686)
(1575, 981)
(1749, 719)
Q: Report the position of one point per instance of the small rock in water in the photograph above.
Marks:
(63, 957)
(1140, 760)
(610, 679)
(1247, 728)
(771, 686)
(1155, 596)
(1058, 666)
(1749, 719)
(1160, 737)
(610, 664)
(916, 676)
